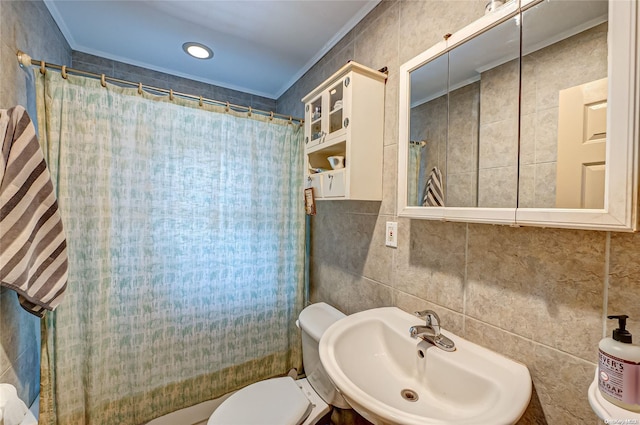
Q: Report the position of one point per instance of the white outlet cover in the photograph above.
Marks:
(391, 235)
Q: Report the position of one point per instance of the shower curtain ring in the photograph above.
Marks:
(171, 94)
(290, 119)
(63, 72)
(139, 88)
(226, 109)
(103, 80)
(271, 116)
(200, 102)
(249, 113)
(43, 69)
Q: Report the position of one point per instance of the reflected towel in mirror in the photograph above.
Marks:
(433, 194)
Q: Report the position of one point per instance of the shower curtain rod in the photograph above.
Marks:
(25, 60)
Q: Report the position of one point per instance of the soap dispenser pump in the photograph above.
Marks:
(619, 367)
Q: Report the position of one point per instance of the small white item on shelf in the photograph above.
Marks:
(336, 162)
(338, 104)
(316, 170)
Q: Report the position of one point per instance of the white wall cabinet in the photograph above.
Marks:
(344, 116)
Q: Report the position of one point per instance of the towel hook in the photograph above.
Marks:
(63, 72)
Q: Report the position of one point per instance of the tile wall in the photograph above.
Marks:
(537, 295)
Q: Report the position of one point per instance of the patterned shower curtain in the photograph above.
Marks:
(185, 233)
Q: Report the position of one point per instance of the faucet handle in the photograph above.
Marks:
(430, 316)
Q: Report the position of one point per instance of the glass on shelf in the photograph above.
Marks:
(316, 109)
(316, 130)
(335, 97)
(317, 113)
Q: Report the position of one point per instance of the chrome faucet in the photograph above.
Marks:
(430, 332)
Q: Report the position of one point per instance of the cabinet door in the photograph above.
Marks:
(314, 130)
(315, 181)
(333, 184)
(337, 104)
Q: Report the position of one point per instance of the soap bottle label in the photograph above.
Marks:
(618, 378)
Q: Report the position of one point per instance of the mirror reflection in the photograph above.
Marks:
(486, 133)
(483, 141)
(563, 107)
(464, 123)
(428, 131)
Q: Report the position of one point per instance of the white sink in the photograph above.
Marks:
(372, 360)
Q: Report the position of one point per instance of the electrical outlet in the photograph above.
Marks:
(391, 236)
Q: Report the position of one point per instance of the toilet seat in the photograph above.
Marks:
(277, 401)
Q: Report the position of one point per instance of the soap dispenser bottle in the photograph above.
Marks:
(619, 368)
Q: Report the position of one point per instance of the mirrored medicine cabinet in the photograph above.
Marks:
(528, 116)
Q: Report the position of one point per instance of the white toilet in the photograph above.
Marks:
(283, 401)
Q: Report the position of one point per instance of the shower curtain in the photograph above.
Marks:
(185, 230)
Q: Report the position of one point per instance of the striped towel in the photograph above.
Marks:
(33, 247)
(433, 194)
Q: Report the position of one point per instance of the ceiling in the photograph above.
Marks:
(260, 47)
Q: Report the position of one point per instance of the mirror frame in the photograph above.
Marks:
(623, 128)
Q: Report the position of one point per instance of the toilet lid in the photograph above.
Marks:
(276, 401)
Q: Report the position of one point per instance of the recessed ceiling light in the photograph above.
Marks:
(197, 50)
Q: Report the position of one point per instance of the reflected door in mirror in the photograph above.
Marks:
(582, 128)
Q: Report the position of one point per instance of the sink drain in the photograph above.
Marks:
(409, 395)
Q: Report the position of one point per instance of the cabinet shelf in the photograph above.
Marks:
(325, 172)
(330, 147)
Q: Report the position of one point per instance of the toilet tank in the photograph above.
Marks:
(313, 321)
